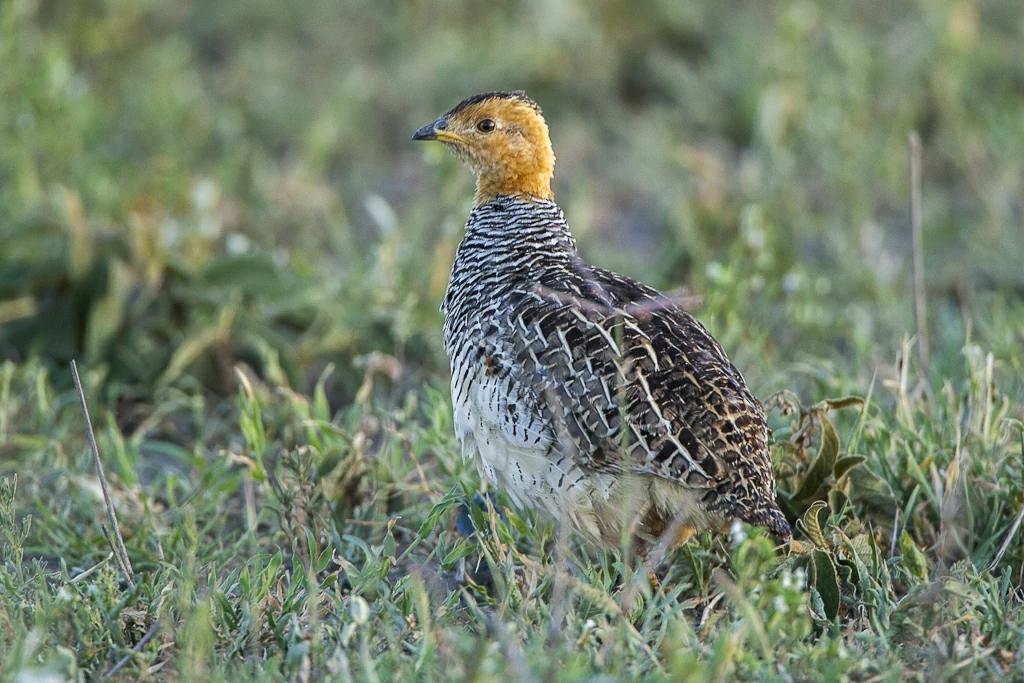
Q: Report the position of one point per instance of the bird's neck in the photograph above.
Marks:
(523, 172)
(529, 187)
(513, 224)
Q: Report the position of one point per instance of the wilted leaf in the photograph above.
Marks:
(518, 524)
(858, 554)
(844, 402)
(823, 463)
(848, 571)
(811, 526)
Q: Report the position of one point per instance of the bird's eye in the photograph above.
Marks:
(485, 126)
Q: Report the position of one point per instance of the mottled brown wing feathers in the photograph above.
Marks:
(630, 379)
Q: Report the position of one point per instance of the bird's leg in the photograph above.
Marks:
(641, 551)
(464, 523)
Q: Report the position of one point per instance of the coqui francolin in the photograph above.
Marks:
(584, 394)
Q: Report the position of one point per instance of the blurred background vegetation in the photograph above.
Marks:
(187, 188)
(185, 185)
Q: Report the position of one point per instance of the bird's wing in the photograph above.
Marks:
(630, 380)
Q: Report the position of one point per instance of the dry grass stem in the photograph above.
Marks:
(120, 553)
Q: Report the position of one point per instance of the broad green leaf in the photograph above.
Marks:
(868, 488)
(323, 560)
(321, 408)
(390, 547)
(846, 463)
(517, 523)
(826, 582)
(451, 500)
(271, 573)
(312, 545)
(463, 548)
(913, 558)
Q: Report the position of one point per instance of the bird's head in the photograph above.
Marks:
(503, 138)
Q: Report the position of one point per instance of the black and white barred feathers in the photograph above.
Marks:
(568, 380)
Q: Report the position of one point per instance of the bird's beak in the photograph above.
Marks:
(436, 131)
(427, 132)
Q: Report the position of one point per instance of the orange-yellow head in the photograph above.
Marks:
(503, 138)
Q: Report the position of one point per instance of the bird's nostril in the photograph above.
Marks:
(440, 124)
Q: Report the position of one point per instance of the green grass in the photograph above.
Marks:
(215, 210)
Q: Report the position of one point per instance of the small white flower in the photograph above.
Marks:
(715, 271)
(801, 578)
(780, 605)
(737, 533)
(33, 676)
(792, 282)
(204, 195)
(236, 243)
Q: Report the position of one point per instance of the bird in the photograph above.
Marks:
(584, 394)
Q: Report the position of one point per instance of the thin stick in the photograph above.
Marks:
(113, 549)
(90, 570)
(121, 552)
(920, 305)
(138, 646)
(895, 529)
(1009, 537)
(1016, 523)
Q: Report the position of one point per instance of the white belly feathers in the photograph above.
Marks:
(512, 444)
(502, 431)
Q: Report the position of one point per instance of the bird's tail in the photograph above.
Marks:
(769, 515)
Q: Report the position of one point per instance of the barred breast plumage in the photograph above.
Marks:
(582, 393)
